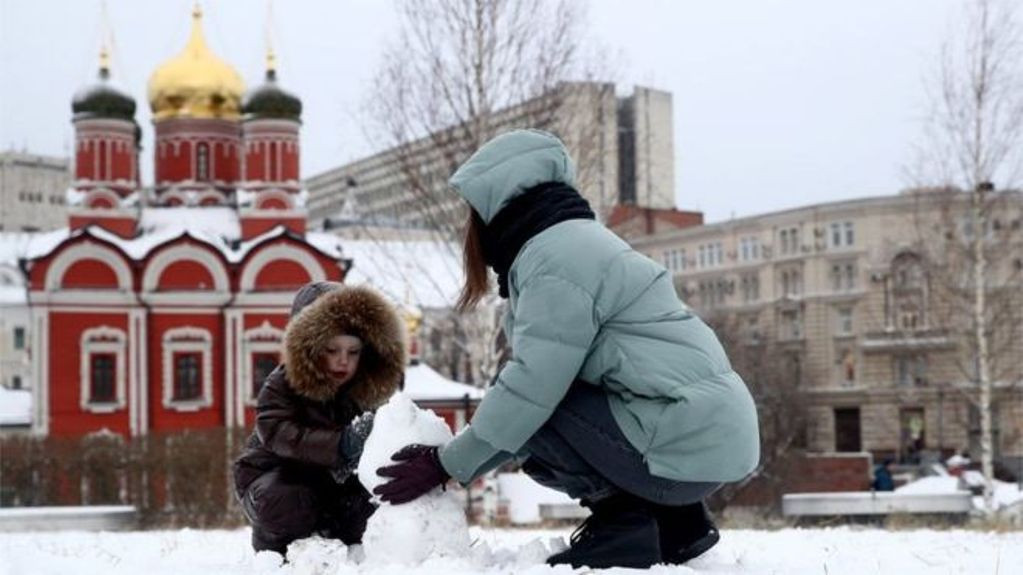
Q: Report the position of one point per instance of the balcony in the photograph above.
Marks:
(906, 340)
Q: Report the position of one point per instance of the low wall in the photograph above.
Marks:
(874, 503)
(85, 518)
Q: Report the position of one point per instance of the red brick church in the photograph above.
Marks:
(164, 305)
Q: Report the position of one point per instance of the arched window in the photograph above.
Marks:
(273, 176)
(202, 162)
(101, 168)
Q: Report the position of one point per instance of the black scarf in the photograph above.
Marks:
(525, 216)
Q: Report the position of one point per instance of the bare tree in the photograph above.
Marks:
(460, 72)
(973, 140)
(464, 70)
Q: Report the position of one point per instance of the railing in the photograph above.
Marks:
(906, 339)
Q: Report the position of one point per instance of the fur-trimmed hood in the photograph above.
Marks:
(352, 310)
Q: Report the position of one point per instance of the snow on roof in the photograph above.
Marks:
(214, 221)
(13, 295)
(28, 245)
(15, 406)
(423, 383)
(427, 274)
(217, 226)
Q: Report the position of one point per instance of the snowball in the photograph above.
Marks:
(316, 555)
(434, 524)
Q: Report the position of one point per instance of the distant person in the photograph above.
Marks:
(615, 392)
(344, 355)
(883, 477)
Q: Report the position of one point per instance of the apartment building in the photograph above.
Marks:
(32, 192)
(623, 148)
(844, 293)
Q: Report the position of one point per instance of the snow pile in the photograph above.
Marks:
(932, 485)
(433, 525)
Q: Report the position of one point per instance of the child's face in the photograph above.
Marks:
(340, 359)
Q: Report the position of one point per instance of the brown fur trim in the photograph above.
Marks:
(352, 310)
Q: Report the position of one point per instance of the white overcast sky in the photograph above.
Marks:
(777, 103)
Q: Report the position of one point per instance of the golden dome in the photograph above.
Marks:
(195, 83)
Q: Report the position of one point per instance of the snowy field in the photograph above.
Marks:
(497, 551)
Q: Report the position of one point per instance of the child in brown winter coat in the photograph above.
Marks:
(344, 355)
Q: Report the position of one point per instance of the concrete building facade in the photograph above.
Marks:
(32, 192)
(843, 291)
(623, 148)
(15, 321)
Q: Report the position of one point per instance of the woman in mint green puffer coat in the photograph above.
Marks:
(615, 392)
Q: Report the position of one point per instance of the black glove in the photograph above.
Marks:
(350, 447)
(418, 471)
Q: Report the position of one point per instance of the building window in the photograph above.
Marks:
(262, 365)
(102, 382)
(674, 260)
(844, 321)
(19, 337)
(749, 249)
(713, 292)
(910, 370)
(260, 355)
(102, 373)
(16, 382)
(791, 282)
(752, 327)
(750, 284)
(710, 255)
(202, 162)
(843, 235)
(849, 276)
(680, 260)
(187, 369)
(845, 366)
(791, 325)
(187, 379)
(843, 277)
(847, 429)
(789, 239)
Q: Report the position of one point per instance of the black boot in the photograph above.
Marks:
(686, 532)
(621, 532)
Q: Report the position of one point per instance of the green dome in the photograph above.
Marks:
(101, 100)
(270, 101)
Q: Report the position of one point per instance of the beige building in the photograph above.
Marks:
(32, 189)
(623, 148)
(844, 295)
(15, 361)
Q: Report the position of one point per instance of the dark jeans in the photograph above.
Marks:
(582, 452)
(284, 505)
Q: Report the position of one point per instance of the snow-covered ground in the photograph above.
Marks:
(789, 551)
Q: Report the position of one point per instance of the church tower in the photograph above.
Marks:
(196, 102)
(270, 132)
(106, 156)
